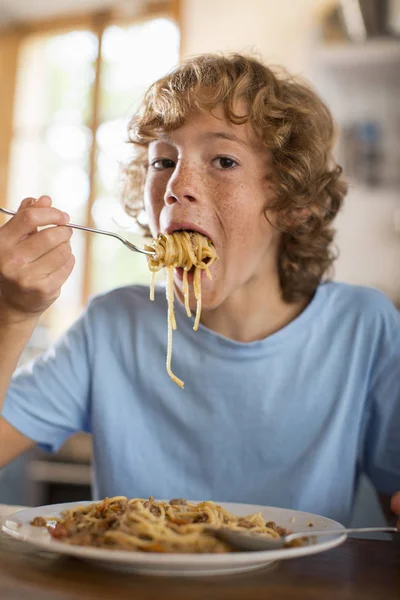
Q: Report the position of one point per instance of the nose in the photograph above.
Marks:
(181, 185)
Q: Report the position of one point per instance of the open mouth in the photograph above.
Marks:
(173, 228)
(190, 274)
(205, 247)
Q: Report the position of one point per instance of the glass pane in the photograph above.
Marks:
(116, 265)
(71, 72)
(134, 57)
(45, 172)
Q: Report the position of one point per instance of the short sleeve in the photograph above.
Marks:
(382, 444)
(48, 400)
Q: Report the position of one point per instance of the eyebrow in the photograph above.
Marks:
(223, 135)
(211, 135)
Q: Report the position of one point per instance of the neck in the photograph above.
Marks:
(253, 312)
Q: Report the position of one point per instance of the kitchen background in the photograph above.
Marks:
(72, 72)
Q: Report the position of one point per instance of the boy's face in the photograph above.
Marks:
(213, 176)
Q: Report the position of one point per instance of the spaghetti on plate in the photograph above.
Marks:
(152, 526)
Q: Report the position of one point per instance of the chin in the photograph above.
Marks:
(211, 297)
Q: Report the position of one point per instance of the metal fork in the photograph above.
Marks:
(101, 231)
(248, 541)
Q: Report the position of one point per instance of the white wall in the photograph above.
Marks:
(281, 31)
(285, 32)
(368, 227)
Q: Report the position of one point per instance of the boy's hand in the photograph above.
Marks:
(395, 505)
(33, 264)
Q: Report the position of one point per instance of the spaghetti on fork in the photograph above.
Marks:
(188, 250)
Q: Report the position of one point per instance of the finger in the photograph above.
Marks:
(26, 202)
(45, 265)
(26, 276)
(42, 201)
(27, 221)
(53, 283)
(61, 276)
(42, 293)
(40, 243)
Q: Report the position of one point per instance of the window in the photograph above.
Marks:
(74, 96)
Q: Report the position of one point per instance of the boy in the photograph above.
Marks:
(292, 384)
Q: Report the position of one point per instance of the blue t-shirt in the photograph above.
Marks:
(290, 420)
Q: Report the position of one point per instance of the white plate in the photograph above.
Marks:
(18, 526)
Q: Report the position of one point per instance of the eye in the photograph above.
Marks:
(224, 162)
(159, 164)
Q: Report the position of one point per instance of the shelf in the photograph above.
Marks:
(373, 53)
(56, 472)
(381, 192)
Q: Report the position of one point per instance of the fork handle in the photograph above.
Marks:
(326, 532)
(73, 225)
(6, 211)
(101, 231)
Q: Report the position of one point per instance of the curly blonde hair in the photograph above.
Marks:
(293, 124)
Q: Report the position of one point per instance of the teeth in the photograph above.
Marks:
(187, 230)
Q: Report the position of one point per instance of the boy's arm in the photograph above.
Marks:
(34, 264)
(13, 338)
(12, 443)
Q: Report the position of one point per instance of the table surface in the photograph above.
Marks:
(361, 569)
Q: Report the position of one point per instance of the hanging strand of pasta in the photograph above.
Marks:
(152, 284)
(171, 325)
(186, 293)
(185, 250)
(197, 295)
(197, 286)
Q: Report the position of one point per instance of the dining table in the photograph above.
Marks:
(367, 569)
